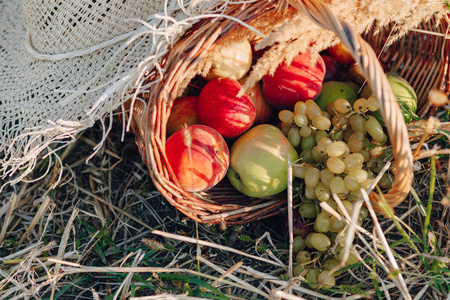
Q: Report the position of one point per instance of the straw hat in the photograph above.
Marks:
(67, 64)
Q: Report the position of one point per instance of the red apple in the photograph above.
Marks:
(220, 108)
(300, 81)
(263, 109)
(184, 113)
(199, 157)
(341, 54)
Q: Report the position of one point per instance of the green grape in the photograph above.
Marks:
(366, 143)
(357, 123)
(305, 131)
(301, 120)
(298, 270)
(327, 280)
(342, 106)
(303, 257)
(372, 104)
(354, 161)
(323, 144)
(346, 152)
(365, 154)
(322, 223)
(312, 177)
(298, 244)
(308, 240)
(311, 277)
(336, 165)
(286, 116)
(308, 142)
(341, 240)
(366, 183)
(325, 177)
(331, 110)
(336, 225)
(330, 264)
(336, 149)
(332, 203)
(306, 156)
(321, 122)
(377, 165)
(326, 114)
(351, 183)
(310, 193)
(357, 136)
(285, 128)
(294, 137)
(360, 175)
(322, 191)
(299, 170)
(386, 181)
(317, 156)
(363, 213)
(348, 132)
(375, 130)
(300, 108)
(337, 185)
(387, 151)
(312, 109)
(383, 140)
(320, 134)
(308, 210)
(352, 258)
(355, 195)
(354, 145)
(360, 105)
(348, 207)
(320, 241)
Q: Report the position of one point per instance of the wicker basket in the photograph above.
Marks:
(422, 58)
(223, 204)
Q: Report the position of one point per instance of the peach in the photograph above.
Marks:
(198, 156)
(341, 54)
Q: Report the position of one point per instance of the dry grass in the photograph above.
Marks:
(105, 233)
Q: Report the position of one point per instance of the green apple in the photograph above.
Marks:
(259, 161)
(405, 94)
(333, 90)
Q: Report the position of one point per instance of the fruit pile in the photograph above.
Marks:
(308, 113)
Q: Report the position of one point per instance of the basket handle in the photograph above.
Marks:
(367, 60)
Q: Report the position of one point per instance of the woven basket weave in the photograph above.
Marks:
(223, 204)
